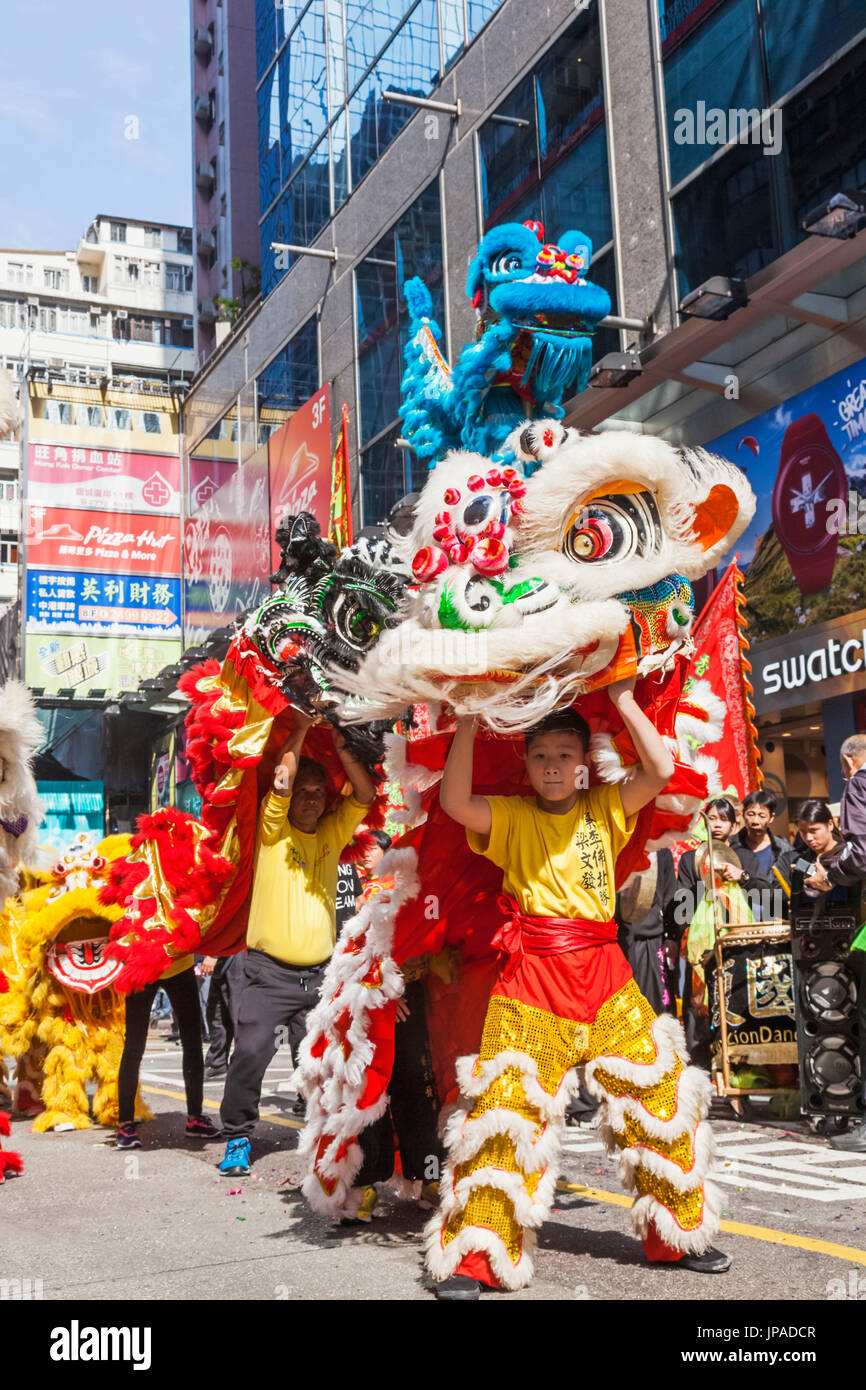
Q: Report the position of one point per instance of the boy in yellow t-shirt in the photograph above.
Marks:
(565, 997)
(292, 924)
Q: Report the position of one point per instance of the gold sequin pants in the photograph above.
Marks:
(502, 1167)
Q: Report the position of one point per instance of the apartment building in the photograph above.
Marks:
(119, 303)
(225, 165)
(117, 307)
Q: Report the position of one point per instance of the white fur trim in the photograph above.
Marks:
(442, 1261)
(333, 1083)
(649, 1211)
(472, 1084)
(534, 1148)
(642, 1156)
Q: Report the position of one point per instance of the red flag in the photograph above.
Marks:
(340, 529)
(721, 657)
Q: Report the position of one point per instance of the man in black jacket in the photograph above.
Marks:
(759, 809)
(848, 868)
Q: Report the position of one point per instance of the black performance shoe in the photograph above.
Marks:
(299, 1107)
(215, 1073)
(711, 1262)
(459, 1288)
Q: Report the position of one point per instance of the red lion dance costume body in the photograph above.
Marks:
(564, 996)
(528, 596)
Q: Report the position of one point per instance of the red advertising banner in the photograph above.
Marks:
(227, 551)
(63, 475)
(207, 476)
(299, 458)
(119, 542)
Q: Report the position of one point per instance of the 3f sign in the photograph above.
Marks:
(318, 412)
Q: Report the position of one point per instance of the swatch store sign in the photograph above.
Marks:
(826, 660)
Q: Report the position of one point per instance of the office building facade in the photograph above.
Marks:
(225, 163)
(690, 140)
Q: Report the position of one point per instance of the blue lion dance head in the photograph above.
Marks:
(540, 289)
(537, 313)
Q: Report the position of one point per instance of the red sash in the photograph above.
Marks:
(521, 934)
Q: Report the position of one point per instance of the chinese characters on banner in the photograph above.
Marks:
(102, 545)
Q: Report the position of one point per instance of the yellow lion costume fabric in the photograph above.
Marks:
(61, 1016)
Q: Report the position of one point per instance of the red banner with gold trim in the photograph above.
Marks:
(721, 657)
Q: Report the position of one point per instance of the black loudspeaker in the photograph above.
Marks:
(825, 994)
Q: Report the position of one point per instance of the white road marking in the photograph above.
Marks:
(790, 1167)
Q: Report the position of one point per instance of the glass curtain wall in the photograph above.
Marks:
(739, 198)
(322, 121)
(543, 153)
(413, 246)
(288, 380)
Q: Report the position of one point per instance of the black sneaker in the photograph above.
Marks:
(300, 1106)
(459, 1288)
(127, 1136)
(200, 1127)
(711, 1262)
(215, 1073)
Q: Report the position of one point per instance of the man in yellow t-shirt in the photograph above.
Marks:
(292, 924)
(566, 997)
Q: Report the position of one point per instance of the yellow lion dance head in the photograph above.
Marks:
(61, 1016)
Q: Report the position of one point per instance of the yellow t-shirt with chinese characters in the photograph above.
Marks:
(293, 906)
(558, 865)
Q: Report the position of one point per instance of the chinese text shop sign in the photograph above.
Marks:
(804, 554)
(63, 537)
(300, 465)
(108, 603)
(62, 475)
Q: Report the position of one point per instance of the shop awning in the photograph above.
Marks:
(805, 319)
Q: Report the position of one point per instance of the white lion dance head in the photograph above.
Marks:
(530, 593)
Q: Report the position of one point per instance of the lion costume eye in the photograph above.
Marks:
(507, 264)
(614, 528)
(354, 624)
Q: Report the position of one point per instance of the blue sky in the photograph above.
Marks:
(71, 73)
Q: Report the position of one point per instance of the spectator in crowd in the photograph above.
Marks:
(689, 897)
(226, 977)
(292, 923)
(847, 868)
(181, 986)
(820, 843)
(759, 811)
(751, 877)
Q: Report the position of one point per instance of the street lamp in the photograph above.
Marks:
(717, 298)
(616, 369)
(841, 216)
